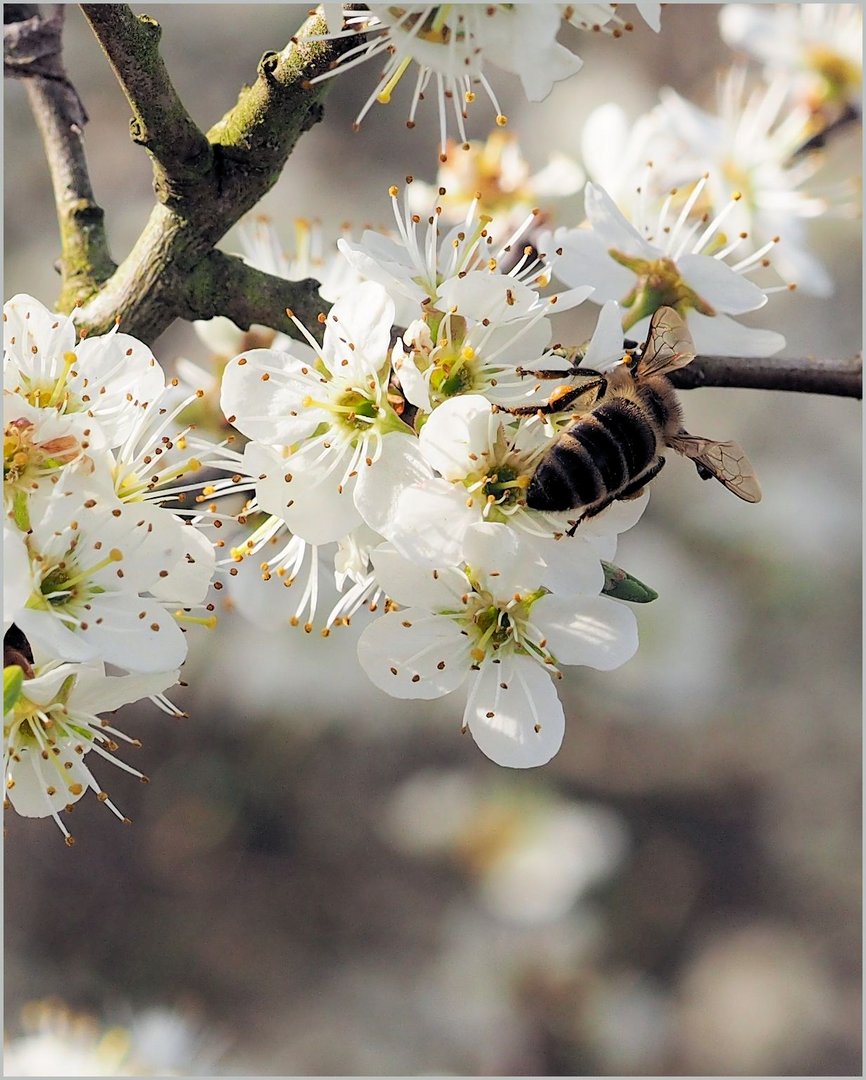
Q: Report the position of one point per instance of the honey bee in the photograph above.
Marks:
(615, 447)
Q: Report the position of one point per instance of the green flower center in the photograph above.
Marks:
(659, 284)
(505, 487)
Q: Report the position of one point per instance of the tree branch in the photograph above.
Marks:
(248, 149)
(226, 285)
(32, 51)
(181, 154)
(810, 376)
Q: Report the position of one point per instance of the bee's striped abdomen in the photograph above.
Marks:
(595, 458)
(633, 433)
(603, 449)
(567, 477)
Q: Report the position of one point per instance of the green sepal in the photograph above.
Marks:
(13, 682)
(621, 585)
(21, 511)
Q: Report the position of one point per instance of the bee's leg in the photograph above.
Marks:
(557, 373)
(591, 512)
(632, 490)
(546, 373)
(557, 402)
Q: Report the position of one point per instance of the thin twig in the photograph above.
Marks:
(810, 376)
(32, 52)
(180, 152)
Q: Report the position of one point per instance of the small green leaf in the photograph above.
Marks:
(622, 586)
(13, 681)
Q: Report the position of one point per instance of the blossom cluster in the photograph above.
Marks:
(763, 138)
(381, 462)
(403, 439)
(103, 567)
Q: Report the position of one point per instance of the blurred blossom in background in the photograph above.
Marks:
(321, 879)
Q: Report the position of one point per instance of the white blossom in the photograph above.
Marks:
(451, 45)
(497, 624)
(39, 444)
(56, 722)
(318, 415)
(95, 573)
(615, 150)
(818, 46)
(652, 263)
(422, 266)
(750, 143)
(108, 379)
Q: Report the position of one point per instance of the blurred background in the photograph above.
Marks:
(323, 880)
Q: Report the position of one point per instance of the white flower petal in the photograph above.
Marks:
(33, 776)
(378, 489)
(188, 578)
(500, 560)
(523, 40)
(430, 523)
(28, 324)
(514, 713)
(135, 633)
(94, 692)
(594, 631)
(614, 519)
(314, 509)
(413, 654)
(718, 335)
(17, 577)
(571, 298)
(46, 632)
(606, 345)
(611, 226)
(457, 437)
(410, 584)
(484, 294)
(412, 382)
(264, 392)
(382, 260)
(603, 142)
(571, 564)
(220, 335)
(651, 13)
(358, 330)
(47, 683)
(714, 281)
(585, 261)
(560, 177)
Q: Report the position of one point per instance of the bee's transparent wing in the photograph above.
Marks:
(726, 461)
(668, 345)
